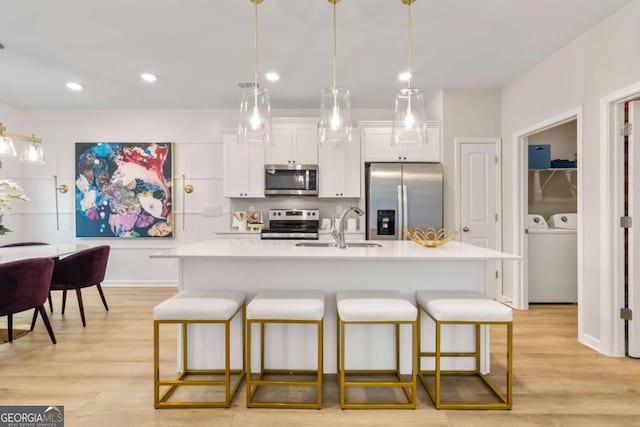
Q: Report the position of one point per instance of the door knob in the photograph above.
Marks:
(465, 229)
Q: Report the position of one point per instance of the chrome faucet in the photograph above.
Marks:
(338, 235)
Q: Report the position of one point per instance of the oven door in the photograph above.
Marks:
(290, 180)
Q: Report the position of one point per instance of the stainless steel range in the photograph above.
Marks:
(295, 224)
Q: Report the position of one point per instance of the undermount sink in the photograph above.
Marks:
(333, 245)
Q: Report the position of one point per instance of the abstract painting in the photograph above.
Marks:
(124, 190)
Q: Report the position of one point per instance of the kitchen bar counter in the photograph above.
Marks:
(390, 250)
(253, 265)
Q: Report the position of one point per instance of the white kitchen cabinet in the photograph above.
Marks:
(376, 137)
(243, 168)
(339, 169)
(294, 141)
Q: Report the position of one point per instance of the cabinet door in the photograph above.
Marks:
(306, 146)
(350, 182)
(339, 170)
(328, 170)
(280, 151)
(378, 148)
(429, 152)
(255, 170)
(236, 167)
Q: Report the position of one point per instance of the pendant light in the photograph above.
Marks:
(33, 153)
(409, 122)
(335, 108)
(255, 107)
(7, 149)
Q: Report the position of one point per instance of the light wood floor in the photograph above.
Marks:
(102, 374)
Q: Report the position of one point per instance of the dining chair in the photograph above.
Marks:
(25, 285)
(81, 270)
(19, 244)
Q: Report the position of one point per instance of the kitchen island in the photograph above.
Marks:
(400, 265)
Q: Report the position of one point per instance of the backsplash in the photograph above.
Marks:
(328, 207)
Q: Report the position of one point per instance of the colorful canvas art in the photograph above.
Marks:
(124, 190)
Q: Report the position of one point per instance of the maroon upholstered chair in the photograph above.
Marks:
(81, 270)
(25, 285)
(18, 244)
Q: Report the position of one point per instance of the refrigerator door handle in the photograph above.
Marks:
(405, 210)
(400, 213)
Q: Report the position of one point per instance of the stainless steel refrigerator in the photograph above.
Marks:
(401, 195)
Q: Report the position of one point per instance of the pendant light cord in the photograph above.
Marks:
(334, 45)
(255, 46)
(410, 48)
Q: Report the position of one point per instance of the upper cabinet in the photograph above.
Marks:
(339, 169)
(243, 168)
(293, 141)
(376, 137)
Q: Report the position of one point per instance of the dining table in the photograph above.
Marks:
(19, 253)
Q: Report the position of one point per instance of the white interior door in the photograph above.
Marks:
(479, 197)
(634, 233)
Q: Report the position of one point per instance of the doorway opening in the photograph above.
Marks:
(548, 190)
(552, 215)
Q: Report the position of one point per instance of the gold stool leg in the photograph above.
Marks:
(320, 360)
(438, 367)
(156, 363)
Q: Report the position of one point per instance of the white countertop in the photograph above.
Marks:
(390, 250)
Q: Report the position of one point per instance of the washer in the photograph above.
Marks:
(553, 260)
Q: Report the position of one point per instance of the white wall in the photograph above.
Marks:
(197, 135)
(602, 60)
(469, 113)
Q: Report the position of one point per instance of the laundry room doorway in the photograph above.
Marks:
(547, 187)
(552, 215)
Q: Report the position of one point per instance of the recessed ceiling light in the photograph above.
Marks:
(148, 77)
(272, 77)
(74, 86)
(404, 76)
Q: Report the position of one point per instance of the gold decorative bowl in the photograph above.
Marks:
(430, 237)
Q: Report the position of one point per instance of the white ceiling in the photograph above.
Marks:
(200, 49)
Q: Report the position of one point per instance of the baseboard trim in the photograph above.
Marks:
(141, 283)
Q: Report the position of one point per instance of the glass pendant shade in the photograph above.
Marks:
(335, 116)
(7, 149)
(255, 115)
(32, 153)
(409, 123)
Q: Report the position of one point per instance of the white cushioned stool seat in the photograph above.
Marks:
(287, 304)
(471, 310)
(423, 297)
(371, 306)
(200, 305)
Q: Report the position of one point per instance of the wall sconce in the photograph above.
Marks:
(186, 189)
(63, 189)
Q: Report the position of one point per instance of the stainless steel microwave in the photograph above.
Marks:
(291, 180)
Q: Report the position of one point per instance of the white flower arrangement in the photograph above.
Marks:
(9, 190)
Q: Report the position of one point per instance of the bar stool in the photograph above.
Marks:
(376, 308)
(465, 308)
(198, 307)
(284, 307)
